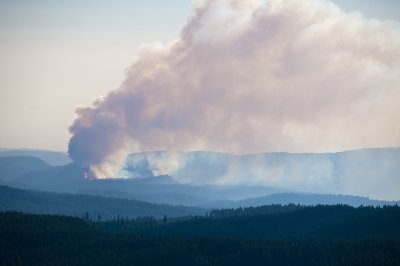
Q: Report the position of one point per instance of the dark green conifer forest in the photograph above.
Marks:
(267, 235)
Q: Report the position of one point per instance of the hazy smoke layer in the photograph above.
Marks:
(367, 172)
(250, 77)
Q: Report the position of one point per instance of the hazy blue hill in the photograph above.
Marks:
(37, 202)
(306, 199)
(159, 198)
(168, 192)
(54, 158)
(65, 178)
(161, 189)
(172, 198)
(12, 167)
(313, 199)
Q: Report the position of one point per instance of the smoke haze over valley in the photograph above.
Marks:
(197, 178)
(370, 172)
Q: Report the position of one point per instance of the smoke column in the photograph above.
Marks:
(248, 77)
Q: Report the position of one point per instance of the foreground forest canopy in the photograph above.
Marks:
(268, 235)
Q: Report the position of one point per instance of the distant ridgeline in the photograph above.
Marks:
(54, 158)
(29, 201)
(203, 179)
(289, 235)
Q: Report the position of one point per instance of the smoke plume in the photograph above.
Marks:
(247, 77)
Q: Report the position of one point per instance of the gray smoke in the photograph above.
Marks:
(248, 77)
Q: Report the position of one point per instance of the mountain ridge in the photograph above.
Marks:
(55, 158)
(41, 202)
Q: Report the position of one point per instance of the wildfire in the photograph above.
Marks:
(87, 173)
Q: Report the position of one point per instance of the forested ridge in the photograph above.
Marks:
(274, 222)
(27, 239)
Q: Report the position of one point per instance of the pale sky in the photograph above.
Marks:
(57, 55)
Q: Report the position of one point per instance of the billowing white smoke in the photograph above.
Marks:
(251, 77)
(143, 165)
